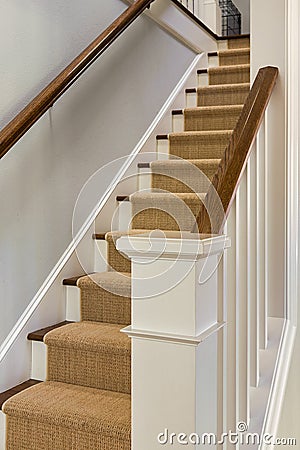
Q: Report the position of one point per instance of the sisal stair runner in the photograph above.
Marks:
(85, 403)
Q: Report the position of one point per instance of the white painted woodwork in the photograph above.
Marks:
(144, 179)
(254, 317)
(261, 241)
(203, 79)
(213, 61)
(2, 430)
(231, 316)
(191, 99)
(100, 255)
(223, 45)
(73, 313)
(162, 147)
(175, 335)
(242, 323)
(125, 215)
(39, 361)
(177, 123)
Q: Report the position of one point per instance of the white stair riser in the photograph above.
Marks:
(73, 304)
(223, 45)
(2, 430)
(125, 215)
(39, 361)
(203, 79)
(100, 255)
(177, 123)
(162, 148)
(213, 61)
(144, 179)
(191, 99)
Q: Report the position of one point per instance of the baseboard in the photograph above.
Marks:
(279, 383)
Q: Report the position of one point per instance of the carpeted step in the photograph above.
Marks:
(90, 354)
(199, 144)
(59, 416)
(115, 259)
(208, 118)
(165, 211)
(229, 74)
(182, 175)
(227, 94)
(243, 42)
(105, 297)
(234, 57)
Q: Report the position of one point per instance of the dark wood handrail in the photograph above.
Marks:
(15, 129)
(212, 217)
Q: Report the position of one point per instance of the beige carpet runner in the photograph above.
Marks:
(85, 402)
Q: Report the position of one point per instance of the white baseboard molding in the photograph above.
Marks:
(279, 383)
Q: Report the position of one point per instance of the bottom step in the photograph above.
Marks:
(61, 416)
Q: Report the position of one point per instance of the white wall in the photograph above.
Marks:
(101, 118)
(244, 7)
(39, 38)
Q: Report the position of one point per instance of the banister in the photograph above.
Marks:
(232, 166)
(23, 121)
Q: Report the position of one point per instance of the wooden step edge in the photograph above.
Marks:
(15, 390)
(162, 137)
(99, 236)
(212, 54)
(200, 71)
(191, 90)
(177, 112)
(40, 334)
(122, 198)
(72, 281)
(143, 165)
(234, 36)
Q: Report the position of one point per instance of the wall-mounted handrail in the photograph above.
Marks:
(232, 166)
(18, 126)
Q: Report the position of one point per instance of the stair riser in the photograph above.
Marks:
(234, 60)
(2, 430)
(191, 99)
(203, 79)
(38, 361)
(209, 122)
(177, 123)
(222, 98)
(90, 368)
(213, 61)
(229, 78)
(163, 149)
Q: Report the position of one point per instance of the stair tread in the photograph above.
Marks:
(187, 162)
(90, 336)
(206, 133)
(231, 68)
(141, 196)
(214, 109)
(234, 51)
(39, 334)
(16, 389)
(224, 87)
(118, 283)
(76, 407)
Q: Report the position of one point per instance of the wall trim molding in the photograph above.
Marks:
(37, 299)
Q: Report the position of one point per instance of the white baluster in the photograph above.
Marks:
(243, 329)
(231, 394)
(261, 237)
(252, 283)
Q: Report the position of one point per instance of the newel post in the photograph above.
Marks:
(174, 331)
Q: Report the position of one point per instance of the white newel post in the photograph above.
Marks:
(174, 331)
